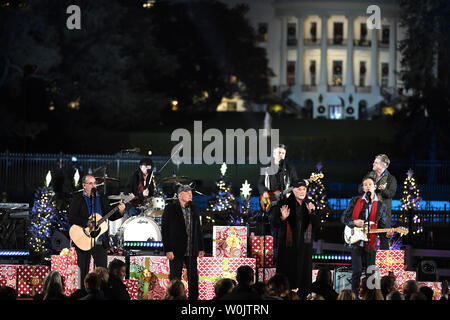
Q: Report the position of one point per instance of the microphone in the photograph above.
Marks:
(369, 197)
(136, 150)
(189, 204)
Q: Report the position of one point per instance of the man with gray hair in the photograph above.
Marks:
(182, 237)
(385, 189)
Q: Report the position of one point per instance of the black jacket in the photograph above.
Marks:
(385, 195)
(286, 174)
(116, 289)
(381, 218)
(173, 230)
(133, 184)
(79, 213)
(298, 221)
(242, 292)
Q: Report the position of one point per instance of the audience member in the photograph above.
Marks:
(263, 291)
(7, 293)
(116, 289)
(53, 287)
(314, 296)
(324, 285)
(104, 277)
(175, 290)
(387, 284)
(346, 294)
(418, 296)
(410, 287)
(395, 295)
(244, 291)
(93, 283)
(428, 292)
(223, 287)
(369, 294)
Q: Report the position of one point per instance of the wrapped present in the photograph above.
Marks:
(257, 246)
(390, 260)
(152, 274)
(400, 277)
(132, 288)
(229, 242)
(8, 276)
(31, 279)
(436, 286)
(211, 269)
(268, 273)
(316, 271)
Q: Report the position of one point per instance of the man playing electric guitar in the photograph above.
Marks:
(82, 207)
(363, 209)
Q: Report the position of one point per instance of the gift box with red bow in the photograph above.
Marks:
(31, 279)
(229, 242)
(390, 260)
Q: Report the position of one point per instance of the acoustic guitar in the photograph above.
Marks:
(275, 196)
(82, 236)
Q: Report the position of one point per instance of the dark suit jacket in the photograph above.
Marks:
(79, 213)
(133, 184)
(276, 180)
(380, 219)
(385, 195)
(173, 230)
(116, 289)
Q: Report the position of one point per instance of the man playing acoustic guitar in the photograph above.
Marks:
(82, 207)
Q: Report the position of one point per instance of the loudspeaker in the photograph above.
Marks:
(427, 271)
(59, 241)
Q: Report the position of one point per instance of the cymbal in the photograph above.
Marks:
(175, 179)
(107, 179)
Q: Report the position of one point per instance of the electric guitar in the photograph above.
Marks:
(82, 236)
(355, 234)
(275, 196)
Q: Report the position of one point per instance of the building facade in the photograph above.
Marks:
(326, 58)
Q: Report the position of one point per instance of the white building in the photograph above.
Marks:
(324, 53)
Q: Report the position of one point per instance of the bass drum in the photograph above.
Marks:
(140, 228)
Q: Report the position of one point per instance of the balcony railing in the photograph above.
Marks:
(292, 42)
(336, 88)
(383, 44)
(365, 89)
(337, 42)
(311, 42)
(308, 88)
(362, 42)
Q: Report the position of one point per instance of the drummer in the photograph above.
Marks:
(141, 184)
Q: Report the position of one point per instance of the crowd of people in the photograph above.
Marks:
(108, 284)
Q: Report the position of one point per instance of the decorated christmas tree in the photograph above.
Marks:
(223, 200)
(410, 203)
(45, 218)
(316, 194)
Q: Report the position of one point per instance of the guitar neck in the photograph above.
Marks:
(381, 230)
(109, 214)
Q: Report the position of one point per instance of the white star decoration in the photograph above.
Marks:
(245, 190)
(48, 178)
(76, 178)
(223, 169)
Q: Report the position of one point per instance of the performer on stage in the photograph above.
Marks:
(360, 210)
(285, 176)
(141, 184)
(83, 205)
(182, 237)
(385, 189)
(297, 226)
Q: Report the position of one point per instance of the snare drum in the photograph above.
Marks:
(140, 228)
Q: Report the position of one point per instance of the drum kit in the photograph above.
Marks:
(146, 225)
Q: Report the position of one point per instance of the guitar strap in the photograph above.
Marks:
(372, 218)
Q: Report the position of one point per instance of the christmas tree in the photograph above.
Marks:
(224, 199)
(45, 218)
(411, 202)
(316, 194)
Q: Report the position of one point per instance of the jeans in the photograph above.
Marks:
(360, 258)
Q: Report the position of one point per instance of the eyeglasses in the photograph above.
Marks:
(90, 183)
